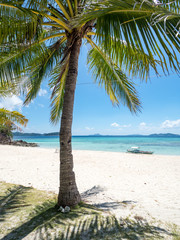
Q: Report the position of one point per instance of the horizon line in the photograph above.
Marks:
(97, 134)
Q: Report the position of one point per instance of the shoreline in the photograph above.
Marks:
(74, 150)
(86, 150)
(159, 146)
(124, 184)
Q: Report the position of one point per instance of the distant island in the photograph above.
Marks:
(35, 134)
(168, 135)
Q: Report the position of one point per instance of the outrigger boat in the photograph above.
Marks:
(137, 150)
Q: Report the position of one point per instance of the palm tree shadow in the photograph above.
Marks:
(45, 222)
(12, 200)
(106, 206)
(92, 192)
(110, 227)
(83, 223)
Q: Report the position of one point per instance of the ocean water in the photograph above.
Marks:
(159, 145)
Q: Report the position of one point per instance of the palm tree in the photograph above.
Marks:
(9, 121)
(42, 38)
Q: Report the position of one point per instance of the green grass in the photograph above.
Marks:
(27, 213)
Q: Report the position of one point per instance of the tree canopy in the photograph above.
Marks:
(126, 38)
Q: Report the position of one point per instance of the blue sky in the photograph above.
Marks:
(94, 113)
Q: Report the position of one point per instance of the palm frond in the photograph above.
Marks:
(152, 29)
(173, 6)
(76, 6)
(53, 25)
(11, 88)
(12, 65)
(57, 84)
(97, 9)
(134, 61)
(70, 8)
(158, 38)
(54, 12)
(63, 8)
(58, 21)
(111, 77)
(40, 67)
(18, 25)
(14, 61)
(36, 4)
(12, 116)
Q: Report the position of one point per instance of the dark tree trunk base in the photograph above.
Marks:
(69, 199)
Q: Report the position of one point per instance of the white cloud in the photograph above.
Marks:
(171, 124)
(11, 103)
(126, 126)
(41, 105)
(143, 124)
(115, 124)
(42, 92)
(89, 128)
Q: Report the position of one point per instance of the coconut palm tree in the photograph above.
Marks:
(43, 38)
(9, 121)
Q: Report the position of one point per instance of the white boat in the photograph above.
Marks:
(137, 150)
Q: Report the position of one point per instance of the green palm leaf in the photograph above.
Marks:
(133, 60)
(40, 67)
(18, 25)
(57, 84)
(111, 77)
(144, 26)
(12, 117)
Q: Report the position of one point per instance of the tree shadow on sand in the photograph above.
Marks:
(12, 200)
(109, 227)
(109, 205)
(85, 222)
(79, 224)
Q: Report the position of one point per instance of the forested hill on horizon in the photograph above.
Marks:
(98, 135)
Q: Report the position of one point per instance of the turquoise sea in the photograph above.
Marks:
(159, 145)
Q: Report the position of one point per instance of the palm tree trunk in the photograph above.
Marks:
(68, 192)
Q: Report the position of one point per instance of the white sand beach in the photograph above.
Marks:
(126, 184)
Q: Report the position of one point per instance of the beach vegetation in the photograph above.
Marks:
(9, 121)
(42, 39)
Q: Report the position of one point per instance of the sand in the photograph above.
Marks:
(125, 184)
